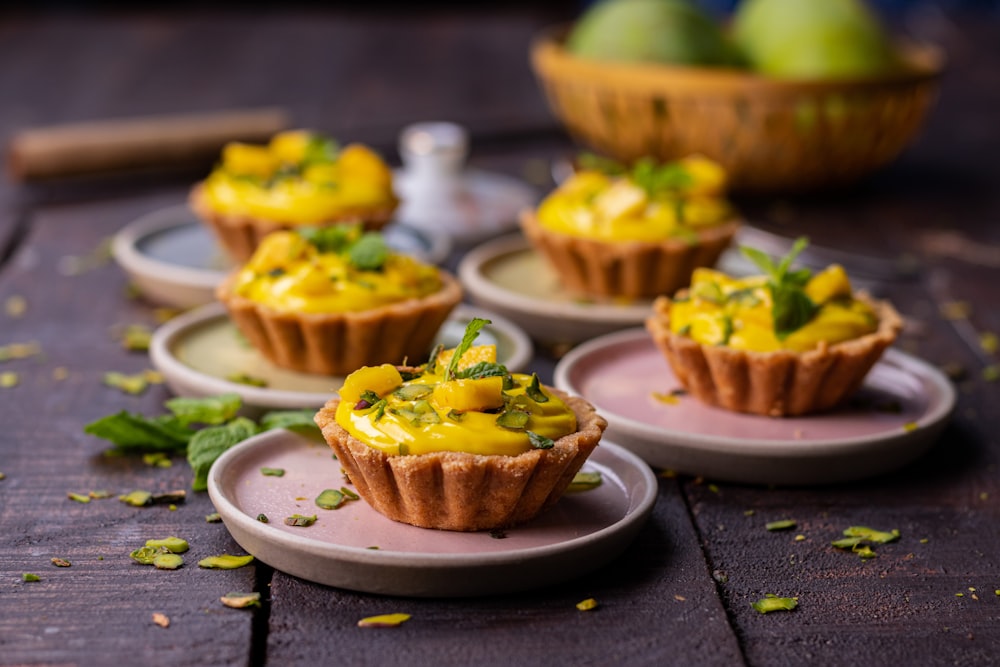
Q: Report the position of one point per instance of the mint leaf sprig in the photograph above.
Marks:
(791, 307)
(472, 330)
(668, 178)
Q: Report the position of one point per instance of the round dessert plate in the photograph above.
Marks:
(896, 416)
(506, 275)
(356, 548)
(483, 205)
(173, 259)
(201, 353)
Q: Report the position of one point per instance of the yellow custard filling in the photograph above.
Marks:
(740, 312)
(506, 414)
(336, 269)
(299, 178)
(649, 203)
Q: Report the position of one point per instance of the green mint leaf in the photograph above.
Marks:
(786, 261)
(320, 149)
(370, 252)
(472, 330)
(791, 310)
(482, 369)
(331, 239)
(761, 259)
(210, 410)
(209, 444)
(135, 433)
(660, 179)
(534, 390)
(300, 421)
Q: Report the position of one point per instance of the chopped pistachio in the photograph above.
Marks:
(249, 380)
(168, 497)
(78, 497)
(783, 524)
(383, 621)
(262, 518)
(167, 561)
(225, 562)
(272, 472)
(872, 535)
(28, 576)
(989, 342)
(137, 498)
(667, 399)
(300, 520)
(587, 605)
(539, 441)
(910, 426)
(864, 551)
(130, 384)
(9, 379)
(19, 350)
(136, 337)
(585, 481)
(146, 555)
(800, 538)
(350, 494)
(60, 373)
(60, 562)
(175, 545)
(99, 494)
(163, 315)
(330, 499)
(847, 542)
(513, 419)
(153, 377)
(241, 600)
(774, 603)
(214, 517)
(157, 460)
(991, 373)
(15, 306)
(161, 620)
(534, 390)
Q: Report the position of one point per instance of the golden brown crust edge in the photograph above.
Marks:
(630, 269)
(461, 491)
(239, 235)
(777, 384)
(340, 343)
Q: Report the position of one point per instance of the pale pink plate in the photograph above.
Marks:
(896, 416)
(356, 548)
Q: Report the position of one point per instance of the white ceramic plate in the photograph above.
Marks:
(200, 351)
(898, 414)
(506, 275)
(173, 259)
(485, 205)
(580, 533)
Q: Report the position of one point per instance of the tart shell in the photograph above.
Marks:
(462, 491)
(340, 343)
(239, 235)
(630, 269)
(776, 384)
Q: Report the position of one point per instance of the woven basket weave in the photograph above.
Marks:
(771, 135)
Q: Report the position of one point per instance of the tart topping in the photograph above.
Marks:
(649, 202)
(461, 400)
(783, 309)
(335, 269)
(299, 178)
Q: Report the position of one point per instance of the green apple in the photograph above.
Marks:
(813, 39)
(666, 31)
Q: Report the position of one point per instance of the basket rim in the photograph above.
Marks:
(925, 63)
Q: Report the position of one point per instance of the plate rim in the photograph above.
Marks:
(640, 505)
(470, 271)
(170, 366)
(933, 416)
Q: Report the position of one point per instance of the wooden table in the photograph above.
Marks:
(682, 592)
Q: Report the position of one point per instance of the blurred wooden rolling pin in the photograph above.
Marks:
(167, 141)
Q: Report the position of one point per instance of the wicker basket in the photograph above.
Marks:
(771, 135)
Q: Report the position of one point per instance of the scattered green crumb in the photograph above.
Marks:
(9, 379)
(991, 373)
(800, 538)
(249, 380)
(15, 306)
(585, 481)
(172, 507)
(713, 488)
(137, 498)
(989, 342)
(300, 520)
(60, 562)
(60, 373)
(130, 384)
(960, 595)
(910, 426)
(749, 512)
(383, 621)
(157, 460)
(783, 524)
(924, 540)
(19, 350)
(136, 337)
(262, 518)
(3, 476)
(172, 544)
(225, 562)
(587, 605)
(241, 600)
(214, 517)
(772, 602)
(272, 472)
(167, 561)
(78, 497)
(29, 576)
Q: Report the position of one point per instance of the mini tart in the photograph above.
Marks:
(777, 384)
(341, 342)
(461, 491)
(239, 235)
(630, 269)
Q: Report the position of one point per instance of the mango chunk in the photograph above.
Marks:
(472, 356)
(828, 284)
(379, 379)
(463, 395)
(248, 159)
(290, 147)
(623, 199)
(363, 164)
(277, 251)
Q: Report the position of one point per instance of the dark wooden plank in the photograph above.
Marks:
(658, 606)
(99, 610)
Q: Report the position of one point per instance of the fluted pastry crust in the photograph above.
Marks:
(630, 269)
(341, 343)
(777, 384)
(462, 491)
(239, 235)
